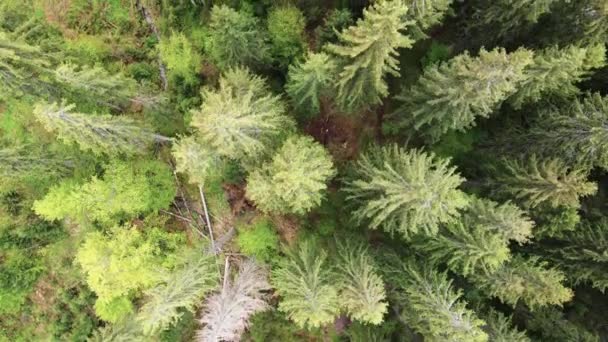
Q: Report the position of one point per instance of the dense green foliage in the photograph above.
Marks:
(304, 170)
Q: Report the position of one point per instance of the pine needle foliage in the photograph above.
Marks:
(506, 220)
(24, 160)
(451, 95)
(500, 328)
(182, 288)
(528, 280)
(547, 181)
(465, 249)
(362, 292)
(100, 134)
(306, 284)
(556, 71)
(227, 313)
(196, 160)
(426, 14)
(404, 192)
(241, 118)
(309, 80)
(575, 133)
(295, 180)
(368, 51)
(431, 306)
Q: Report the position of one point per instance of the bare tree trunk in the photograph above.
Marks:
(148, 18)
(208, 221)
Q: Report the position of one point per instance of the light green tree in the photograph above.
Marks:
(465, 249)
(181, 288)
(556, 71)
(295, 180)
(196, 160)
(100, 134)
(235, 38)
(21, 161)
(404, 192)
(309, 80)
(180, 56)
(430, 305)
(550, 181)
(242, 118)
(506, 220)
(286, 29)
(362, 289)
(368, 51)
(575, 133)
(451, 95)
(306, 284)
(426, 14)
(528, 280)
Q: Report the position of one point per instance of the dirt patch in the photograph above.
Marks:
(235, 193)
(287, 227)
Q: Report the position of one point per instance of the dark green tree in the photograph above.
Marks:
(309, 80)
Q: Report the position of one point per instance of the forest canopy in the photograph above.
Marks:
(304, 170)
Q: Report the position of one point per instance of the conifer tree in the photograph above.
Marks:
(227, 313)
(575, 133)
(506, 220)
(180, 56)
(295, 180)
(576, 22)
(550, 181)
(527, 280)
(404, 192)
(426, 14)
(452, 94)
(465, 249)
(368, 51)
(196, 160)
(362, 289)
(500, 328)
(550, 324)
(306, 284)
(583, 254)
(101, 134)
(241, 118)
(235, 38)
(309, 80)
(430, 304)
(182, 288)
(24, 160)
(556, 71)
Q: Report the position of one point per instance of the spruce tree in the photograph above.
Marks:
(362, 289)
(556, 71)
(368, 51)
(295, 180)
(576, 22)
(506, 220)
(100, 134)
(528, 280)
(306, 284)
(534, 182)
(242, 118)
(465, 249)
(235, 38)
(404, 192)
(575, 133)
(500, 328)
(425, 14)
(196, 160)
(430, 304)
(449, 96)
(550, 324)
(25, 160)
(309, 80)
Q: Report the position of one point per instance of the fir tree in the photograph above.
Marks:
(575, 133)
(526, 280)
(404, 192)
(550, 324)
(430, 304)
(295, 180)
(24, 160)
(452, 94)
(227, 313)
(465, 249)
(310, 80)
(534, 182)
(306, 284)
(426, 14)
(506, 220)
(556, 71)
(368, 51)
(241, 118)
(182, 288)
(101, 134)
(362, 289)
(235, 38)
(576, 22)
(196, 160)
(286, 26)
(500, 328)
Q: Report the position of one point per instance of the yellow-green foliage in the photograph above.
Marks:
(286, 28)
(259, 240)
(115, 309)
